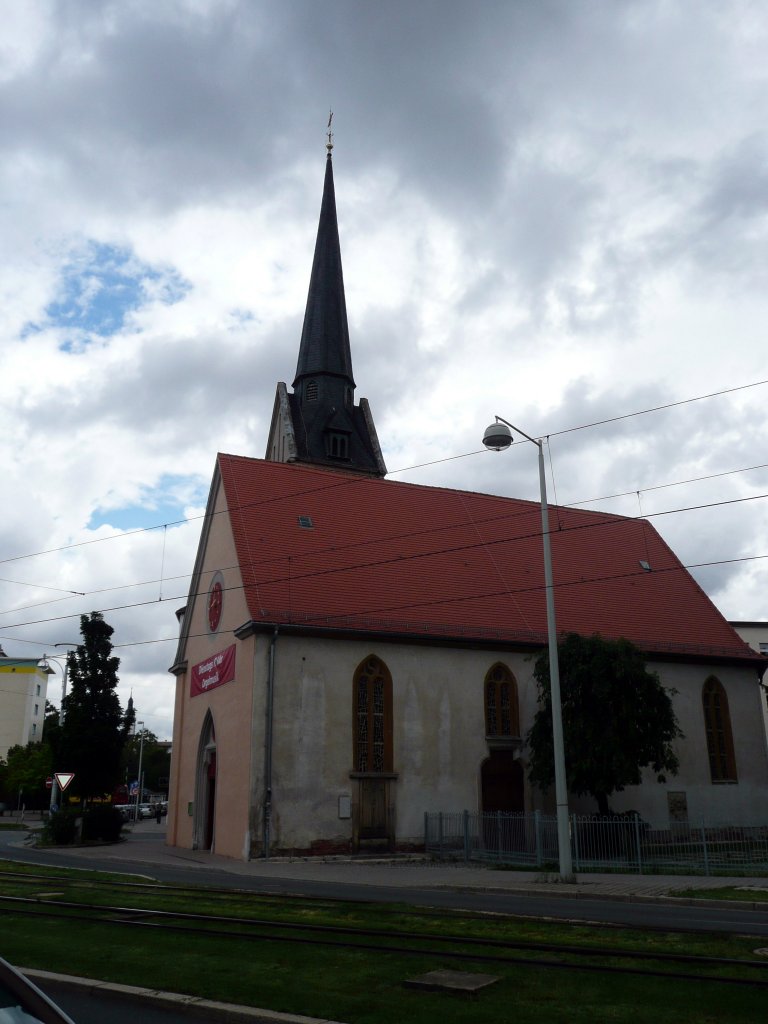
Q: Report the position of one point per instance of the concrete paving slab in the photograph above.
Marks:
(462, 983)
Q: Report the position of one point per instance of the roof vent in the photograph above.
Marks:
(305, 522)
(645, 566)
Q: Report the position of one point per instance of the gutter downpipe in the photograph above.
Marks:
(269, 715)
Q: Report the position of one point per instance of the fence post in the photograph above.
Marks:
(637, 844)
(575, 832)
(466, 835)
(537, 828)
(704, 847)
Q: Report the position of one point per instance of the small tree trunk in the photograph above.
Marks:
(602, 803)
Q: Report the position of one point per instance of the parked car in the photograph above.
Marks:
(26, 1001)
(128, 811)
(146, 811)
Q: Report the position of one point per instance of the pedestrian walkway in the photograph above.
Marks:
(145, 846)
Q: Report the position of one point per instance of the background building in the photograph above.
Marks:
(23, 689)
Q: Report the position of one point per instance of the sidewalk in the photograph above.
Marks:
(145, 846)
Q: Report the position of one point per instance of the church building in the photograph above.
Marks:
(356, 651)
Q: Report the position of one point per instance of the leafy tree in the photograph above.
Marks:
(26, 770)
(94, 729)
(155, 761)
(617, 719)
(51, 730)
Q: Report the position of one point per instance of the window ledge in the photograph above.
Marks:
(504, 742)
(374, 775)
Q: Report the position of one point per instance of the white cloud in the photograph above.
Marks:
(553, 212)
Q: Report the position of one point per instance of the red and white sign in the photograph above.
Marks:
(64, 779)
(49, 782)
(213, 672)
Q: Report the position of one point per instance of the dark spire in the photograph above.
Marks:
(324, 345)
(320, 423)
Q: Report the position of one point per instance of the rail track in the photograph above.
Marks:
(443, 946)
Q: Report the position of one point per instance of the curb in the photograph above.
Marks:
(561, 892)
(193, 1006)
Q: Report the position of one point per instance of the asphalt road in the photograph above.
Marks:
(641, 914)
(85, 1007)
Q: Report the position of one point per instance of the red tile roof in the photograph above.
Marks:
(390, 557)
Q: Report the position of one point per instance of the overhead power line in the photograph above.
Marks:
(294, 576)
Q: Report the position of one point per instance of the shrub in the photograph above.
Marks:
(102, 821)
(60, 829)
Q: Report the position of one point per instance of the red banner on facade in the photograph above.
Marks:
(214, 671)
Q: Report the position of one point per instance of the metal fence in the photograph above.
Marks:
(624, 843)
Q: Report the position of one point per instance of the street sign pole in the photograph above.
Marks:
(54, 804)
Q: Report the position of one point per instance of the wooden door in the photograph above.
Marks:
(373, 809)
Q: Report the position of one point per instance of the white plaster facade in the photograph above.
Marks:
(439, 742)
(23, 689)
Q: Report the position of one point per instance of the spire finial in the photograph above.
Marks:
(329, 143)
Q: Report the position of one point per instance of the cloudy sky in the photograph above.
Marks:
(552, 210)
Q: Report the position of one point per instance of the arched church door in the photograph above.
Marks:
(502, 780)
(205, 788)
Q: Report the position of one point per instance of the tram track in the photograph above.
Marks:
(425, 944)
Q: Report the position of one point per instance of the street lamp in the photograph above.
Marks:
(45, 666)
(498, 437)
(141, 756)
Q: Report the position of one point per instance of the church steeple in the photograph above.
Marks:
(320, 423)
(324, 345)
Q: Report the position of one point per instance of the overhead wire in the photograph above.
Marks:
(352, 480)
(405, 535)
(432, 553)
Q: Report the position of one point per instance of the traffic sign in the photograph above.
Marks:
(64, 779)
(49, 782)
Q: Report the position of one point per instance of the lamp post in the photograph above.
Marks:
(141, 756)
(498, 437)
(45, 666)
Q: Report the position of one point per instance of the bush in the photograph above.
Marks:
(60, 829)
(102, 821)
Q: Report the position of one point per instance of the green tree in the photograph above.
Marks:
(25, 772)
(155, 761)
(617, 719)
(94, 729)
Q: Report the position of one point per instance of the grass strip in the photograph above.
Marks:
(356, 985)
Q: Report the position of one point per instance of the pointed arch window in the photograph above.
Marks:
(717, 723)
(372, 717)
(502, 712)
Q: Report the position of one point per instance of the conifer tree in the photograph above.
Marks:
(94, 730)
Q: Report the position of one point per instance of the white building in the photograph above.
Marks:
(23, 689)
(356, 651)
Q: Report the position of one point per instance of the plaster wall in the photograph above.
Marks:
(742, 802)
(229, 704)
(22, 708)
(439, 740)
(756, 635)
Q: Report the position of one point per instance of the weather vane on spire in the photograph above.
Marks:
(329, 143)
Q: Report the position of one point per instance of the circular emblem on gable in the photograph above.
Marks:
(215, 604)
